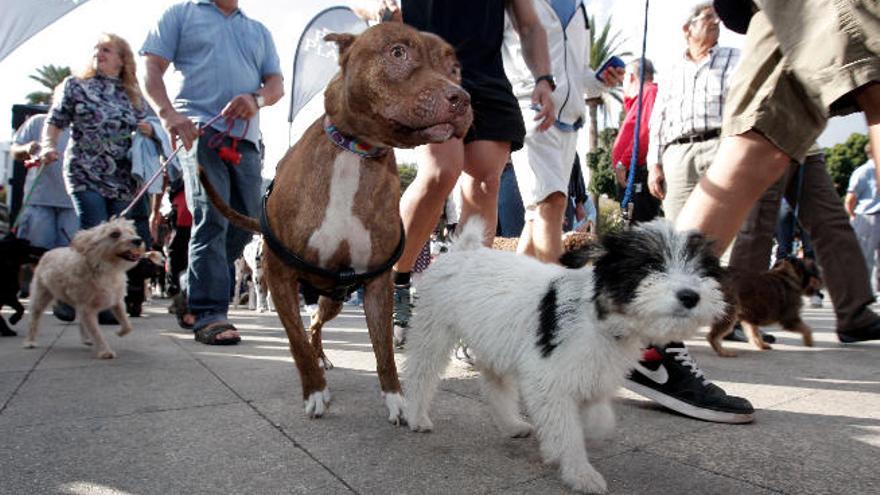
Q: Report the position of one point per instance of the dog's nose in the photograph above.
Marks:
(688, 298)
(137, 241)
(459, 100)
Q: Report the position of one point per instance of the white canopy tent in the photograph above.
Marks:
(23, 19)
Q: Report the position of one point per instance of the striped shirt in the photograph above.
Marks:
(691, 97)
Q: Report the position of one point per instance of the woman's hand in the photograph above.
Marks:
(145, 128)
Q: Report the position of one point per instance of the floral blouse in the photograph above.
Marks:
(102, 120)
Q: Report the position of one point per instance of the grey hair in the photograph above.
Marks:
(635, 64)
(697, 10)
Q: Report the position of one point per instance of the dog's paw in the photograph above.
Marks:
(422, 425)
(395, 404)
(106, 354)
(87, 342)
(325, 363)
(763, 346)
(399, 336)
(124, 331)
(725, 353)
(316, 404)
(29, 344)
(519, 429)
(585, 479)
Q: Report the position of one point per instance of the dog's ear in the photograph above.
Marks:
(81, 241)
(578, 258)
(343, 42)
(701, 248)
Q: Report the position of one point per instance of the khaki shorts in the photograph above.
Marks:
(800, 65)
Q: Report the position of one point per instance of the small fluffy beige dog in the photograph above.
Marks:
(90, 276)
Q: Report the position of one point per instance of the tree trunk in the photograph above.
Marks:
(593, 106)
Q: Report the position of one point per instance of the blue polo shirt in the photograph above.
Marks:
(863, 183)
(218, 56)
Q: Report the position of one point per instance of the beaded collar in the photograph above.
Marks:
(351, 144)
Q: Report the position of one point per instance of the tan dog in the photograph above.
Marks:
(90, 276)
(334, 208)
(774, 296)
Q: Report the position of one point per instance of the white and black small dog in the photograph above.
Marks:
(259, 297)
(563, 338)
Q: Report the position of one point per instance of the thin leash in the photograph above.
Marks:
(161, 170)
(631, 176)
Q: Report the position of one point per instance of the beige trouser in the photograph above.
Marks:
(683, 167)
(801, 62)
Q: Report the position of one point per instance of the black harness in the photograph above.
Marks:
(345, 280)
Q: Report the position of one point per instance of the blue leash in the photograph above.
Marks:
(631, 176)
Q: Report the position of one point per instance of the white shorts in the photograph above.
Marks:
(543, 165)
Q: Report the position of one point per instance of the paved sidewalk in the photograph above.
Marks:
(172, 416)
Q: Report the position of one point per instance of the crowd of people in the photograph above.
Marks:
(724, 136)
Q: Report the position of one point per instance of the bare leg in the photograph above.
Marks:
(745, 166)
(422, 202)
(483, 163)
(543, 237)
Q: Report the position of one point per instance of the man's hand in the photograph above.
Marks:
(179, 126)
(242, 107)
(656, 181)
(34, 149)
(48, 154)
(613, 76)
(542, 95)
(620, 173)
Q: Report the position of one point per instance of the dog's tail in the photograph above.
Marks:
(243, 222)
(472, 235)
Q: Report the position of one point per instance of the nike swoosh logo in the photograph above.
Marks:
(660, 375)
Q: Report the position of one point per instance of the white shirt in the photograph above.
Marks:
(690, 98)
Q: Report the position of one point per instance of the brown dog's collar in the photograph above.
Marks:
(352, 144)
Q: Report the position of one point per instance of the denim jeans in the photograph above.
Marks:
(92, 208)
(214, 244)
(511, 214)
(48, 226)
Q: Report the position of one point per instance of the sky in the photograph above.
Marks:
(69, 41)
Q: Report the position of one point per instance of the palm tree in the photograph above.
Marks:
(602, 47)
(49, 76)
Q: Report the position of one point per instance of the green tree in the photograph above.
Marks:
(407, 172)
(49, 76)
(602, 47)
(841, 159)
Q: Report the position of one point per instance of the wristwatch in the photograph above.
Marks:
(261, 101)
(549, 79)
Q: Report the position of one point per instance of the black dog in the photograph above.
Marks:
(14, 253)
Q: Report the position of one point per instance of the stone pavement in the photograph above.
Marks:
(170, 416)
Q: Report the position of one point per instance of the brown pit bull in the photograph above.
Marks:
(337, 208)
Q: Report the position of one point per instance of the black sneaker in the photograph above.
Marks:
(868, 332)
(671, 378)
(739, 335)
(64, 312)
